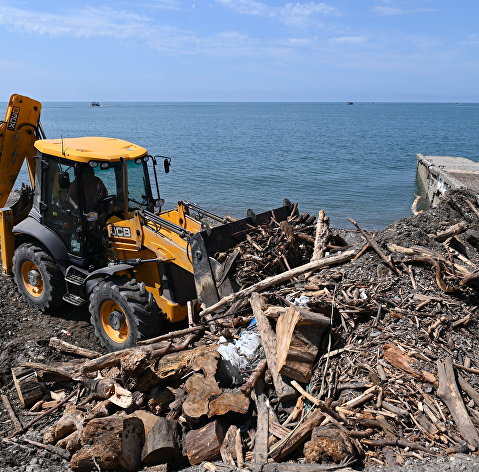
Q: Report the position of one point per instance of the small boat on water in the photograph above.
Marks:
(95, 104)
(349, 103)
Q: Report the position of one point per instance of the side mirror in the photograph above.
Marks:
(167, 165)
(64, 180)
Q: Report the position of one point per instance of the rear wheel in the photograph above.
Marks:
(122, 313)
(38, 277)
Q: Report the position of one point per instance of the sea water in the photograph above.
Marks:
(355, 161)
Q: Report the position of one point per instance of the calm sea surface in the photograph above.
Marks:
(353, 161)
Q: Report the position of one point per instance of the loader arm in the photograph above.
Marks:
(18, 133)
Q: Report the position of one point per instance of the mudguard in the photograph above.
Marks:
(47, 238)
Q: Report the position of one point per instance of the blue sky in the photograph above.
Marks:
(241, 50)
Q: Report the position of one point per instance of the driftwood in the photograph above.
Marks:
(299, 332)
(298, 437)
(248, 386)
(201, 387)
(374, 245)
(458, 228)
(268, 340)
(43, 415)
(63, 346)
(228, 447)
(27, 385)
(114, 442)
(449, 393)
(162, 443)
(204, 444)
(13, 417)
(262, 426)
(280, 278)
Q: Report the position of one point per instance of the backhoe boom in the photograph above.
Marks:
(18, 132)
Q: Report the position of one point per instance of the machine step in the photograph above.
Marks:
(75, 279)
(73, 299)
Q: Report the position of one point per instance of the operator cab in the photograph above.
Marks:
(83, 182)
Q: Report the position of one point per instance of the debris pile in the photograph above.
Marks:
(341, 349)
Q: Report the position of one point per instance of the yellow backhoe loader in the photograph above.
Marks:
(88, 230)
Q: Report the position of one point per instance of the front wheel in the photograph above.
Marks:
(122, 313)
(38, 277)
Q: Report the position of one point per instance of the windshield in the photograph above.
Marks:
(139, 192)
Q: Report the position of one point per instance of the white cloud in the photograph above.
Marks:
(392, 11)
(349, 39)
(82, 23)
(294, 13)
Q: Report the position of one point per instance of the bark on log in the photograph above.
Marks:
(228, 402)
(114, 443)
(326, 444)
(204, 444)
(27, 385)
(162, 443)
(280, 278)
(299, 332)
(201, 387)
(268, 340)
(449, 393)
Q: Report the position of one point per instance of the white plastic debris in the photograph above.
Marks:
(239, 357)
(362, 294)
(303, 300)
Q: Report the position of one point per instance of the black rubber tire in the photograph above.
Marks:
(52, 277)
(141, 312)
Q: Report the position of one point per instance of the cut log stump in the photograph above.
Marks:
(204, 444)
(28, 387)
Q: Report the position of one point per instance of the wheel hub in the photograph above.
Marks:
(115, 319)
(34, 278)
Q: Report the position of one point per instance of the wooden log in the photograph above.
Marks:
(298, 437)
(228, 447)
(262, 427)
(204, 444)
(177, 364)
(227, 402)
(63, 346)
(321, 237)
(17, 426)
(448, 392)
(458, 228)
(201, 387)
(469, 389)
(280, 278)
(45, 414)
(71, 421)
(248, 386)
(326, 444)
(27, 385)
(114, 443)
(299, 332)
(268, 340)
(162, 443)
(171, 335)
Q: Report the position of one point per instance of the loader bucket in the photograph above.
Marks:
(212, 279)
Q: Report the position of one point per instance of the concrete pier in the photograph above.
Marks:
(438, 174)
